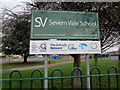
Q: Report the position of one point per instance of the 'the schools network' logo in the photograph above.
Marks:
(40, 22)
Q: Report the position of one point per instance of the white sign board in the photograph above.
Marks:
(64, 47)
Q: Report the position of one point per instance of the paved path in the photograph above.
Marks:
(21, 60)
(34, 67)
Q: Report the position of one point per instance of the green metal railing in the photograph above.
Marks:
(52, 75)
(116, 76)
(61, 77)
(41, 75)
(72, 74)
(100, 83)
(20, 74)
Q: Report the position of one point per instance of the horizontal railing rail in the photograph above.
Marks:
(67, 77)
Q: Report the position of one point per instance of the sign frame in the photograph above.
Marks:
(64, 25)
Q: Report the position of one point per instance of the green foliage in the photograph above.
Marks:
(17, 41)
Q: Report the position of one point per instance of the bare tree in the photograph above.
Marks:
(16, 27)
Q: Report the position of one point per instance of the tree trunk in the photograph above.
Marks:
(96, 59)
(76, 73)
(76, 60)
(25, 58)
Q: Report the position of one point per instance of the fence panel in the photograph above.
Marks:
(62, 78)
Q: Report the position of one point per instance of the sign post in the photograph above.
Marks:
(88, 71)
(46, 71)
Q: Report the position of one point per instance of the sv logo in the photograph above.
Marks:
(40, 22)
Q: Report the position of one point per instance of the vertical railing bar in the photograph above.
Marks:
(72, 83)
(31, 84)
(52, 83)
(116, 77)
(62, 83)
(100, 82)
(91, 79)
(117, 82)
(10, 81)
(109, 78)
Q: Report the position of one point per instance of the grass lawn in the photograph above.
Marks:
(66, 68)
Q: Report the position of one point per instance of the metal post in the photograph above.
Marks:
(87, 71)
(1, 74)
(46, 71)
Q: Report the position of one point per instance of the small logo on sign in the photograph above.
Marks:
(33, 47)
(83, 45)
(93, 45)
(43, 47)
(71, 47)
(40, 22)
